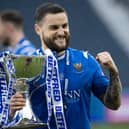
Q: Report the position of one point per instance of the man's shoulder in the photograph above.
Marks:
(84, 56)
(80, 53)
(25, 47)
(26, 42)
(38, 52)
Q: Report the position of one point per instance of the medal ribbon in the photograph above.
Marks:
(53, 93)
(6, 88)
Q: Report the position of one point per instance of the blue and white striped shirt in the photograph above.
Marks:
(23, 47)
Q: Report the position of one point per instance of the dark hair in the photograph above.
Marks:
(12, 16)
(47, 8)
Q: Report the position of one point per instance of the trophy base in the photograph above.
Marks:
(28, 126)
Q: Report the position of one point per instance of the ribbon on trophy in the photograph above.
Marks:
(6, 86)
(53, 93)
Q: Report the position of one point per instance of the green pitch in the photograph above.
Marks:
(110, 126)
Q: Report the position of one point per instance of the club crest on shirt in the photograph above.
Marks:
(78, 66)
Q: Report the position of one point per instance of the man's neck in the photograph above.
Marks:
(58, 53)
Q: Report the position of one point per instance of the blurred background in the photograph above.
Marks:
(95, 25)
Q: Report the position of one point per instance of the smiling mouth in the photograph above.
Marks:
(60, 39)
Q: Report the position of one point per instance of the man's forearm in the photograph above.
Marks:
(112, 97)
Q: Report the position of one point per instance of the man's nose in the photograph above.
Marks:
(61, 31)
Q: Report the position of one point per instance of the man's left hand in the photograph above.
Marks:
(105, 59)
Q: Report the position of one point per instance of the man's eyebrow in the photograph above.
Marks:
(55, 26)
(58, 24)
(65, 24)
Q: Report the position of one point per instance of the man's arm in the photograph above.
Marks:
(112, 96)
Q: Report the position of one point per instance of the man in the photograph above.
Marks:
(12, 38)
(79, 74)
(12, 35)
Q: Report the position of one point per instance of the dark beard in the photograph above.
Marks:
(53, 46)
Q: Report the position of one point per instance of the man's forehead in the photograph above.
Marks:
(59, 18)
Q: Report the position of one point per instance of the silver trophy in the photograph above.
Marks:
(27, 67)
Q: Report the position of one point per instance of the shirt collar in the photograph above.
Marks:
(58, 57)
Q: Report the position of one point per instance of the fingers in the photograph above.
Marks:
(17, 102)
(103, 55)
(16, 108)
(104, 58)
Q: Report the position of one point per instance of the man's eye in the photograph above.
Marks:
(54, 27)
(64, 25)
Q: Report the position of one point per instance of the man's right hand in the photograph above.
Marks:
(17, 102)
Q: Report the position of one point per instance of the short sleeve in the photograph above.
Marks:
(100, 81)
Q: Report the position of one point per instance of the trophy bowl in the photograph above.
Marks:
(27, 67)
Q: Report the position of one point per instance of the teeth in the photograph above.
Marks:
(60, 38)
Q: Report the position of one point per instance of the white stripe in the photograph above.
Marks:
(66, 86)
(28, 50)
(85, 54)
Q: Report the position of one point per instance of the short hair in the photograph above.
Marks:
(12, 16)
(47, 8)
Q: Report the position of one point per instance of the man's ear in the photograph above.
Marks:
(37, 29)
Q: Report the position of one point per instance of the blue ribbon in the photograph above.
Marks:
(53, 93)
(6, 69)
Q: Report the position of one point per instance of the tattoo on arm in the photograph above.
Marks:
(112, 97)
